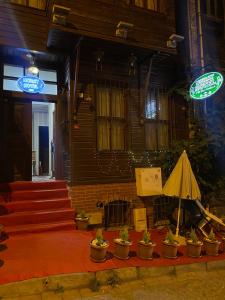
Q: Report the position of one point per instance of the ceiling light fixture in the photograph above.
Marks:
(32, 69)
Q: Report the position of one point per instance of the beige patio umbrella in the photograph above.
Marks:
(182, 184)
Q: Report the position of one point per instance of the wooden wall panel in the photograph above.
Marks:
(89, 165)
(150, 28)
(16, 140)
(23, 27)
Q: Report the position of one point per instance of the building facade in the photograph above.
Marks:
(108, 67)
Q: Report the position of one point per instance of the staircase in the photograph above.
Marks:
(27, 207)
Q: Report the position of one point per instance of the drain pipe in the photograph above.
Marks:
(202, 61)
(200, 33)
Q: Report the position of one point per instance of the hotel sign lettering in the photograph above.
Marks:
(30, 84)
(206, 85)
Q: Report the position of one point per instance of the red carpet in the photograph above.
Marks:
(50, 253)
(35, 207)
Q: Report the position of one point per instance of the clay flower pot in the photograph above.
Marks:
(211, 247)
(82, 223)
(98, 252)
(122, 248)
(223, 243)
(170, 249)
(194, 249)
(145, 250)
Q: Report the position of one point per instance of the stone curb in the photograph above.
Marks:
(46, 286)
(215, 265)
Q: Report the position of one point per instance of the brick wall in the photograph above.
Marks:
(85, 197)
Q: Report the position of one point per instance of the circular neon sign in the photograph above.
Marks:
(206, 85)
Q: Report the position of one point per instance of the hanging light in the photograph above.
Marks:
(132, 64)
(98, 59)
(32, 69)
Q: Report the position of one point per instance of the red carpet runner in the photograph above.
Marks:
(35, 207)
(62, 252)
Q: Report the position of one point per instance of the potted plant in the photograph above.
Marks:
(170, 246)
(194, 246)
(98, 247)
(223, 243)
(82, 220)
(122, 245)
(145, 246)
(211, 244)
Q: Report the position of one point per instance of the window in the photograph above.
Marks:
(12, 73)
(148, 4)
(214, 8)
(111, 118)
(39, 4)
(157, 120)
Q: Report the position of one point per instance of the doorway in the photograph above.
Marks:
(43, 140)
(43, 150)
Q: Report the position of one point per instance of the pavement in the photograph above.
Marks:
(186, 282)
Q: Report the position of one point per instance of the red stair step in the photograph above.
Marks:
(29, 185)
(35, 207)
(35, 228)
(33, 217)
(38, 194)
(31, 205)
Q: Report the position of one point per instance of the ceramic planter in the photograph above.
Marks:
(211, 247)
(82, 223)
(122, 249)
(223, 243)
(194, 249)
(145, 250)
(98, 253)
(170, 250)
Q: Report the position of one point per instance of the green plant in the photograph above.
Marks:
(170, 237)
(200, 155)
(212, 236)
(99, 237)
(193, 236)
(146, 237)
(82, 214)
(59, 289)
(113, 280)
(181, 88)
(124, 235)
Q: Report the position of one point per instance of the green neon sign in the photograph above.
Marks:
(206, 85)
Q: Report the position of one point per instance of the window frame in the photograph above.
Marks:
(15, 78)
(208, 9)
(110, 118)
(32, 7)
(132, 3)
(156, 121)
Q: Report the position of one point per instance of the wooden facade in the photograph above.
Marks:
(147, 40)
(72, 49)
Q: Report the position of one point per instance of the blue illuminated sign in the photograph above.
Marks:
(30, 84)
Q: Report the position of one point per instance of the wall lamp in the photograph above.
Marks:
(32, 69)
(173, 40)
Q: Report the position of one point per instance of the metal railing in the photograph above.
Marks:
(118, 213)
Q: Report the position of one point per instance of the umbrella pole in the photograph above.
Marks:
(178, 218)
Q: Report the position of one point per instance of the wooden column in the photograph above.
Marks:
(72, 104)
